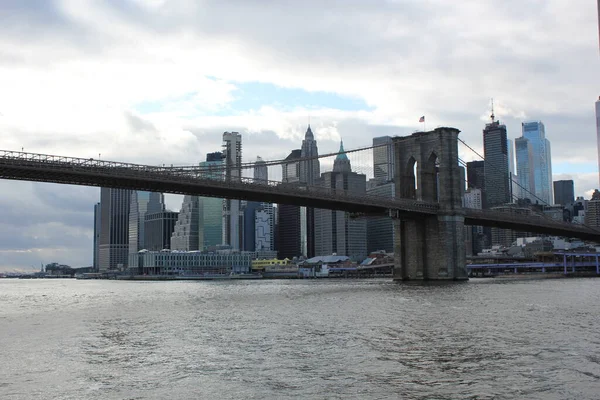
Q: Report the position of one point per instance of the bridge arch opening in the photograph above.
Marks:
(430, 171)
(410, 184)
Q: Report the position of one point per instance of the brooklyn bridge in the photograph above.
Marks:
(429, 218)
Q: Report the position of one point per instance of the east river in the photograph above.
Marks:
(313, 339)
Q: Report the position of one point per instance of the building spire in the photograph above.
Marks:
(492, 116)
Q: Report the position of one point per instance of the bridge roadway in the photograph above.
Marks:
(194, 181)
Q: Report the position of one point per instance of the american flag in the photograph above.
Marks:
(422, 119)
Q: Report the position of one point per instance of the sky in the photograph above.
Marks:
(155, 81)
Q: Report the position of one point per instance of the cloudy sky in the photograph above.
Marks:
(155, 81)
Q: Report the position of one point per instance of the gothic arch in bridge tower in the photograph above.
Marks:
(430, 246)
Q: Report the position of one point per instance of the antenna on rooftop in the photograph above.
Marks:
(492, 116)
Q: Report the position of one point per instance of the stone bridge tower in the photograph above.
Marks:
(430, 247)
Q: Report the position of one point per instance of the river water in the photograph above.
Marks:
(314, 339)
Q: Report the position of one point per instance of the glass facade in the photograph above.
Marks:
(542, 161)
(496, 176)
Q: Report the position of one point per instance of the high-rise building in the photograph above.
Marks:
(114, 228)
(496, 177)
(476, 174)
(261, 172)
(259, 224)
(542, 161)
(232, 208)
(288, 231)
(141, 204)
(291, 167)
(383, 159)
(309, 164)
(264, 227)
(525, 164)
(598, 130)
(380, 230)
(564, 192)
(506, 237)
(186, 233)
(158, 229)
(97, 224)
(211, 208)
(335, 231)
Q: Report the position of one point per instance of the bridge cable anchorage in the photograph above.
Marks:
(543, 215)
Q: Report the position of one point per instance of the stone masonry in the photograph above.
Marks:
(430, 247)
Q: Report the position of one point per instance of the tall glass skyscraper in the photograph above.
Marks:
(535, 133)
(525, 169)
(142, 203)
(232, 208)
(496, 177)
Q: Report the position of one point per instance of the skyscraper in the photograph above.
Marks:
(383, 159)
(542, 161)
(259, 224)
(232, 208)
(525, 164)
(564, 192)
(141, 204)
(211, 208)
(186, 234)
(114, 228)
(496, 177)
(97, 224)
(335, 231)
(476, 174)
(309, 164)
(158, 229)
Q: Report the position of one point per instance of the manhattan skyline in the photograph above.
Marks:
(146, 83)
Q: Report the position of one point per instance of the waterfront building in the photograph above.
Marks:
(232, 208)
(535, 133)
(194, 262)
(97, 224)
(142, 203)
(158, 230)
(383, 159)
(564, 192)
(525, 167)
(496, 176)
(114, 229)
(264, 227)
(335, 231)
(380, 230)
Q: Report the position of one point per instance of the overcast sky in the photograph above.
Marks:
(156, 81)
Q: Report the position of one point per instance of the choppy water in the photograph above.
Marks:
(327, 339)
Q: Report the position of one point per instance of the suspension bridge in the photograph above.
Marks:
(429, 218)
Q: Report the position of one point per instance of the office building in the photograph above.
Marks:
(291, 167)
(535, 133)
(476, 174)
(141, 204)
(264, 228)
(380, 230)
(506, 237)
(114, 229)
(288, 231)
(232, 208)
(525, 167)
(309, 167)
(97, 224)
(496, 176)
(210, 209)
(158, 230)
(335, 231)
(187, 233)
(564, 192)
(383, 159)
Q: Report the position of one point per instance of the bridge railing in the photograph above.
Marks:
(200, 175)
